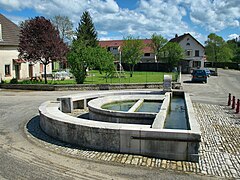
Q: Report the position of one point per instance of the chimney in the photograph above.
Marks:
(176, 35)
(1, 39)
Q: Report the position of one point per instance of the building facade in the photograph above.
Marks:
(114, 46)
(10, 65)
(194, 52)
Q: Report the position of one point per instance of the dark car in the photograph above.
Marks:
(207, 71)
(199, 75)
(213, 73)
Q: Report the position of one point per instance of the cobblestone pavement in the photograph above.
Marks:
(219, 150)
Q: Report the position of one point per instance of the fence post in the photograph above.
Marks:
(238, 106)
(233, 102)
(229, 99)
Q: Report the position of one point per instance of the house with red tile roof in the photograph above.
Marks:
(10, 65)
(114, 46)
(194, 52)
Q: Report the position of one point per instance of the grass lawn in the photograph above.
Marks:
(94, 77)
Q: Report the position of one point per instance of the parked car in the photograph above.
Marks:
(207, 71)
(199, 75)
(61, 75)
(213, 73)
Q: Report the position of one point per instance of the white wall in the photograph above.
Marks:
(7, 54)
(193, 46)
(151, 58)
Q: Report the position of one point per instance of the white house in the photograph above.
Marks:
(10, 65)
(194, 52)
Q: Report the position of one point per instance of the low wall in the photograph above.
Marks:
(123, 138)
(115, 137)
(48, 87)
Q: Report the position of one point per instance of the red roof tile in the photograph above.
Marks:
(117, 43)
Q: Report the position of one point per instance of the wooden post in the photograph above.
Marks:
(238, 106)
(233, 102)
(229, 99)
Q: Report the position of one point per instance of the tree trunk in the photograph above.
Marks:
(45, 73)
(131, 70)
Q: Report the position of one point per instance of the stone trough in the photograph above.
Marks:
(144, 137)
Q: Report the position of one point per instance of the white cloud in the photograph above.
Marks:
(108, 6)
(165, 17)
(10, 5)
(233, 36)
(103, 32)
(149, 17)
(215, 15)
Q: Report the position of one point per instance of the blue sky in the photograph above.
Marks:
(115, 19)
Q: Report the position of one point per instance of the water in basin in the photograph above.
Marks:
(176, 118)
(150, 106)
(119, 106)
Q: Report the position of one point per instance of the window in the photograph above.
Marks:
(7, 70)
(197, 53)
(115, 48)
(147, 54)
(188, 53)
(188, 44)
(196, 64)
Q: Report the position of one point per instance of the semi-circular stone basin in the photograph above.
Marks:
(132, 116)
(143, 139)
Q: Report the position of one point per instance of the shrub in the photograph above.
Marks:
(13, 81)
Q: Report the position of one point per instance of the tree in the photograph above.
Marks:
(81, 57)
(86, 31)
(85, 51)
(77, 58)
(64, 26)
(172, 53)
(234, 45)
(104, 60)
(157, 43)
(217, 49)
(132, 52)
(40, 42)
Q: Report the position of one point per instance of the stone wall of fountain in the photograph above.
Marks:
(144, 139)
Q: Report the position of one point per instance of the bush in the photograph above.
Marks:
(30, 82)
(13, 81)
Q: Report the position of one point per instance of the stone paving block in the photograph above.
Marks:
(135, 160)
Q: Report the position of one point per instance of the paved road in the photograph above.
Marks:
(217, 88)
(23, 159)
